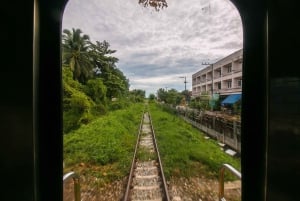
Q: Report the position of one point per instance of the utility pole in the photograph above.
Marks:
(185, 88)
(184, 82)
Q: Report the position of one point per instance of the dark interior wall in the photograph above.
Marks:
(16, 139)
(30, 111)
(284, 105)
(31, 101)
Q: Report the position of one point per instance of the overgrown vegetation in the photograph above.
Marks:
(184, 150)
(92, 83)
(100, 114)
(107, 141)
(104, 148)
(173, 97)
(144, 154)
(200, 102)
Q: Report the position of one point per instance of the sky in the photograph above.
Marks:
(160, 49)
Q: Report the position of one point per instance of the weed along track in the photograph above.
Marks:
(146, 180)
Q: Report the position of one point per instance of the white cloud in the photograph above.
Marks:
(155, 46)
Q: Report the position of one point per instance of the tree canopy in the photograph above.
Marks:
(91, 79)
(157, 4)
(76, 54)
(88, 60)
(171, 96)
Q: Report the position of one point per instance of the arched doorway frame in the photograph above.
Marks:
(48, 110)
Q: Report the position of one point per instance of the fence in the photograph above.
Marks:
(223, 130)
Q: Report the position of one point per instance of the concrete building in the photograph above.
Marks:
(223, 77)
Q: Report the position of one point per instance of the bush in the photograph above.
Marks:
(96, 90)
(77, 111)
(77, 106)
(119, 104)
(99, 110)
(107, 140)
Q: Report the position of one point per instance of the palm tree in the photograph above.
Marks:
(100, 55)
(76, 54)
(106, 69)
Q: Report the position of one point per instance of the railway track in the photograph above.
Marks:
(146, 180)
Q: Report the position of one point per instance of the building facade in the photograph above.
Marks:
(223, 77)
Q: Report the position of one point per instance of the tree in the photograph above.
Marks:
(117, 84)
(137, 95)
(173, 97)
(105, 68)
(95, 89)
(152, 97)
(76, 54)
(157, 4)
(100, 54)
(77, 105)
(162, 94)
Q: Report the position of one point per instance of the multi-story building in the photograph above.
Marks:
(223, 77)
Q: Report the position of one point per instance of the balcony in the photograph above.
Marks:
(226, 91)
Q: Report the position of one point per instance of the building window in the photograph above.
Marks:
(229, 69)
(239, 83)
(219, 85)
(229, 84)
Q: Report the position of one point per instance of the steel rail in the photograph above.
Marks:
(165, 189)
(221, 178)
(76, 180)
(159, 161)
(133, 160)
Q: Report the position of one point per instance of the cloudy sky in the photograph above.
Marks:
(154, 48)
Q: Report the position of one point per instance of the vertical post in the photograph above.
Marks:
(214, 126)
(212, 87)
(76, 181)
(221, 183)
(221, 178)
(212, 79)
(235, 135)
(185, 88)
(77, 189)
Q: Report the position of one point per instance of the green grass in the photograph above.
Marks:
(104, 146)
(144, 154)
(183, 149)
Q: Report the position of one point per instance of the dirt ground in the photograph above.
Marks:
(180, 189)
(202, 189)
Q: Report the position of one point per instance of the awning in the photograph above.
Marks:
(231, 99)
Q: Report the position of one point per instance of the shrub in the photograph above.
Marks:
(107, 140)
(77, 105)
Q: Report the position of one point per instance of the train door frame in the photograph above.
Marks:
(34, 117)
(49, 145)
